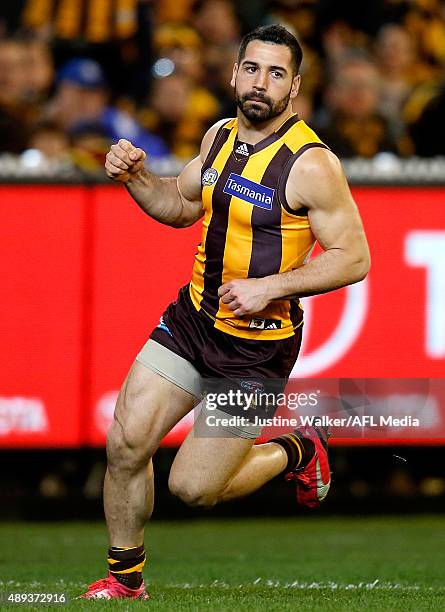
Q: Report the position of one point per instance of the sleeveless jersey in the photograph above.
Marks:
(249, 231)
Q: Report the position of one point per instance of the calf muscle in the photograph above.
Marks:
(147, 408)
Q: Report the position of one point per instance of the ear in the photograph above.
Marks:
(234, 73)
(296, 82)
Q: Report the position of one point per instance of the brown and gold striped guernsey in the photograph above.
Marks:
(249, 231)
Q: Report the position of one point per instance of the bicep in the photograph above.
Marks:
(320, 185)
(189, 188)
(335, 222)
(189, 181)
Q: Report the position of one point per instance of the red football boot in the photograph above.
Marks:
(313, 481)
(110, 588)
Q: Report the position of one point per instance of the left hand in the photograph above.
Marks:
(245, 296)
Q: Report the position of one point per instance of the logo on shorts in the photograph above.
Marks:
(249, 191)
(252, 385)
(209, 177)
(259, 323)
(164, 327)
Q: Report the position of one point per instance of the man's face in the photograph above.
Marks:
(13, 72)
(356, 90)
(264, 81)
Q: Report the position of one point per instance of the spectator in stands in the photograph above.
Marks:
(89, 143)
(51, 141)
(199, 38)
(13, 73)
(300, 19)
(216, 21)
(90, 20)
(428, 133)
(424, 22)
(303, 105)
(352, 124)
(173, 11)
(219, 28)
(221, 87)
(184, 47)
(39, 71)
(401, 69)
(81, 99)
(180, 112)
(340, 42)
(16, 114)
(116, 33)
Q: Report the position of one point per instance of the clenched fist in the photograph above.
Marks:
(124, 160)
(245, 296)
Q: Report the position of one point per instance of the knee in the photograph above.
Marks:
(131, 439)
(191, 493)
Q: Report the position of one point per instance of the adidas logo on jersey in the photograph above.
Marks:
(259, 323)
(271, 325)
(243, 149)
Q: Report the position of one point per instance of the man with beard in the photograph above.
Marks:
(267, 188)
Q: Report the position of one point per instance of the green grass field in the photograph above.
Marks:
(312, 564)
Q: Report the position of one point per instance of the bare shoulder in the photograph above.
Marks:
(316, 176)
(209, 137)
(318, 162)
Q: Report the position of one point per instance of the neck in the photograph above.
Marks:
(255, 132)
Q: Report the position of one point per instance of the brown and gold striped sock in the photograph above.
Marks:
(299, 451)
(126, 564)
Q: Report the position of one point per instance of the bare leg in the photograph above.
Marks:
(209, 470)
(262, 463)
(147, 408)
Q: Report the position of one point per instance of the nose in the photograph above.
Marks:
(260, 83)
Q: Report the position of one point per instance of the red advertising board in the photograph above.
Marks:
(138, 266)
(42, 253)
(393, 323)
(87, 275)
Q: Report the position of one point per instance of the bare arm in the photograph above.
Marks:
(318, 183)
(172, 201)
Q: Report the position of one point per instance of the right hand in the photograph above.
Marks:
(124, 161)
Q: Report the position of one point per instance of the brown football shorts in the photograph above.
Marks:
(186, 349)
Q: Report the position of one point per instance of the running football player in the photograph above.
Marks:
(267, 189)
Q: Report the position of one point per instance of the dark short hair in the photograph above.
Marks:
(278, 35)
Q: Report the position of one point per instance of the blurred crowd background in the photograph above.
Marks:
(76, 75)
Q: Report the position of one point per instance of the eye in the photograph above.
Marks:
(277, 74)
(251, 69)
